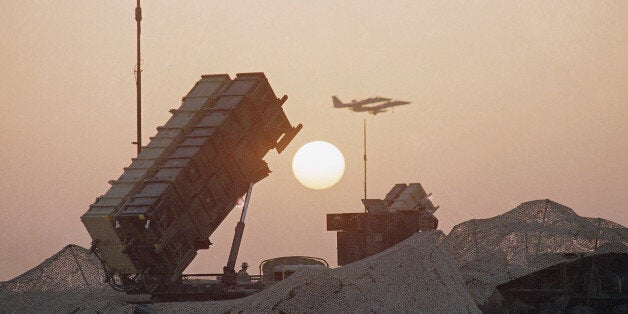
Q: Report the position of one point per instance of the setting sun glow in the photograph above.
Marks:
(318, 165)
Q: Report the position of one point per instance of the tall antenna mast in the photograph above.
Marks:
(365, 163)
(138, 79)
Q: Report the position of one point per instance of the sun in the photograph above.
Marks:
(318, 165)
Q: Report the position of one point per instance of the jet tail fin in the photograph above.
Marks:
(337, 102)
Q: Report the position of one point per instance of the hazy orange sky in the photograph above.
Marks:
(512, 101)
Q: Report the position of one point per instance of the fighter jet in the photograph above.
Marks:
(373, 105)
(357, 102)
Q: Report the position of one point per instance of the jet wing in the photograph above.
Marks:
(394, 103)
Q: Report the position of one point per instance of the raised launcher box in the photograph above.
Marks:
(191, 193)
(99, 219)
(406, 210)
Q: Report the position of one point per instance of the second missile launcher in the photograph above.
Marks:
(406, 209)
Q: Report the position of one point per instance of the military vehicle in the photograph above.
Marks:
(277, 269)
(583, 283)
(405, 210)
(147, 228)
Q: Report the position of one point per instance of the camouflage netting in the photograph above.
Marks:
(70, 280)
(528, 238)
(426, 273)
(417, 275)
